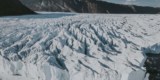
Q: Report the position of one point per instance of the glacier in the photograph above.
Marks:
(76, 46)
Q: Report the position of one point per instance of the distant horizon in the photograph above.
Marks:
(149, 3)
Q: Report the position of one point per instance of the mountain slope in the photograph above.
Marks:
(80, 47)
(13, 7)
(86, 6)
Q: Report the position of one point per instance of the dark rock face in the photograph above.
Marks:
(45, 5)
(152, 65)
(86, 6)
(13, 7)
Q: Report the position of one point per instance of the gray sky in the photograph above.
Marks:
(153, 3)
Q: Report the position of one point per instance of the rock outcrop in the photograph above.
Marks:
(152, 66)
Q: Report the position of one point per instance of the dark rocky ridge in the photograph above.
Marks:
(152, 65)
(86, 6)
(13, 7)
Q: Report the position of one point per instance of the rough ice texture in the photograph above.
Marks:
(79, 47)
(152, 49)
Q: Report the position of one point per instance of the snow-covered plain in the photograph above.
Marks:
(76, 47)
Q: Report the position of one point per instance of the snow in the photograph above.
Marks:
(76, 46)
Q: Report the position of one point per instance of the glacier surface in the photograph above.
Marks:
(76, 47)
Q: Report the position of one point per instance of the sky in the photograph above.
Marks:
(153, 3)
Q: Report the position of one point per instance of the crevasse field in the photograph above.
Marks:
(64, 46)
